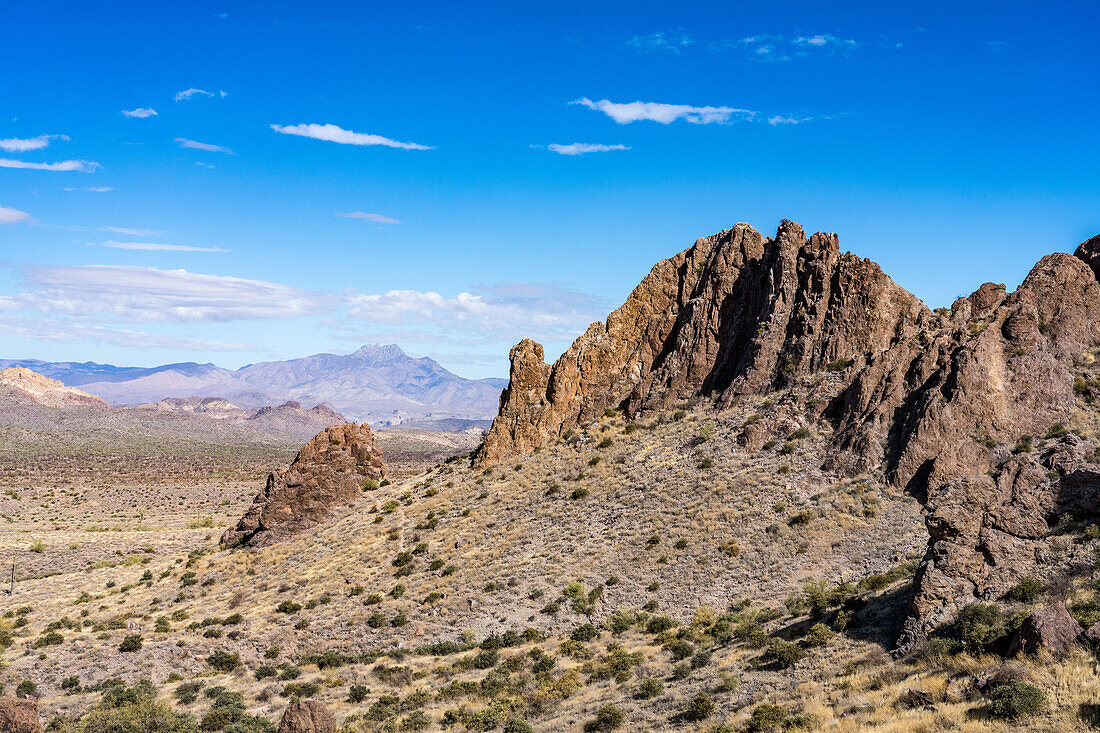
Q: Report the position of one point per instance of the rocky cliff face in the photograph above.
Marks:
(26, 385)
(944, 403)
(330, 471)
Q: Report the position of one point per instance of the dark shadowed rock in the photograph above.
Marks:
(1089, 252)
(329, 471)
(19, 715)
(307, 716)
(1002, 675)
(1052, 629)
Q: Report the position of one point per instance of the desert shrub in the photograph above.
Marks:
(486, 659)
(979, 626)
(819, 634)
(585, 632)
(606, 443)
(782, 653)
(1017, 699)
(802, 518)
(699, 707)
(515, 725)
(416, 720)
(579, 493)
(659, 624)
(1087, 611)
(223, 661)
(1026, 591)
(650, 688)
(26, 688)
(132, 643)
(288, 607)
(608, 717)
(768, 718)
(679, 649)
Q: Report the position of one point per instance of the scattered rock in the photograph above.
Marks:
(1002, 675)
(329, 471)
(307, 716)
(19, 715)
(911, 699)
(1052, 629)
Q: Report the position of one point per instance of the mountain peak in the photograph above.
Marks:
(379, 351)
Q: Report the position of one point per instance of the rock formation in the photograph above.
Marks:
(330, 471)
(24, 384)
(307, 716)
(19, 715)
(1050, 629)
(944, 403)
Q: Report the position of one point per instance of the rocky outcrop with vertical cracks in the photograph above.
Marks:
(944, 403)
(308, 716)
(19, 715)
(330, 471)
(735, 314)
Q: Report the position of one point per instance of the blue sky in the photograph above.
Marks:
(953, 145)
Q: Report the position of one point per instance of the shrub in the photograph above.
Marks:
(1017, 699)
(819, 634)
(768, 718)
(699, 707)
(579, 493)
(608, 717)
(979, 625)
(606, 443)
(1026, 591)
(486, 659)
(223, 661)
(803, 517)
(650, 688)
(134, 710)
(585, 632)
(288, 607)
(783, 653)
(131, 643)
(658, 624)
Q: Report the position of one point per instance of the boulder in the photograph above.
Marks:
(307, 716)
(19, 715)
(330, 471)
(1052, 629)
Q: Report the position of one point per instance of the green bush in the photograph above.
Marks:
(1017, 699)
(979, 626)
(699, 707)
(223, 661)
(1026, 591)
(288, 607)
(585, 632)
(131, 643)
(783, 653)
(768, 718)
(131, 710)
(608, 717)
(819, 634)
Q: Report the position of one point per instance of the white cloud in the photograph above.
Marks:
(205, 165)
(86, 166)
(186, 94)
(335, 134)
(625, 112)
(12, 216)
(91, 189)
(376, 218)
(132, 232)
(673, 42)
(776, 47)
(140, 112)
(507, 311)
(787, 120)
(149, 295)
(151, 247)
(195, 145)
(22, 145)
(582, 148)
(49, 329)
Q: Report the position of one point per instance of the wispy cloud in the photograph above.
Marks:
(376, 218)
(140, 112)
(625, 112)
(196, 145)
(149, 295)
(151, 247)
(335, 134)
(221, 16)
(86, 166)
(581, 148)
(778, 47)
(672, 42)
(91, 189)
(787, 120)
(12, 216)
(22, 145)
(132, 232)
(187, 94)
(51, 329)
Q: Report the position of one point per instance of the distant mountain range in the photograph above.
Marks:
(378, 384)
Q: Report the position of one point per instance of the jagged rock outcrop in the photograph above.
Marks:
(735, 314)
(944, 403)
(330, 471)
(308, 716)
(19, 715)
(24, 384)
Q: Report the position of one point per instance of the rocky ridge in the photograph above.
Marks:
(943, 403)
(25, 384)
